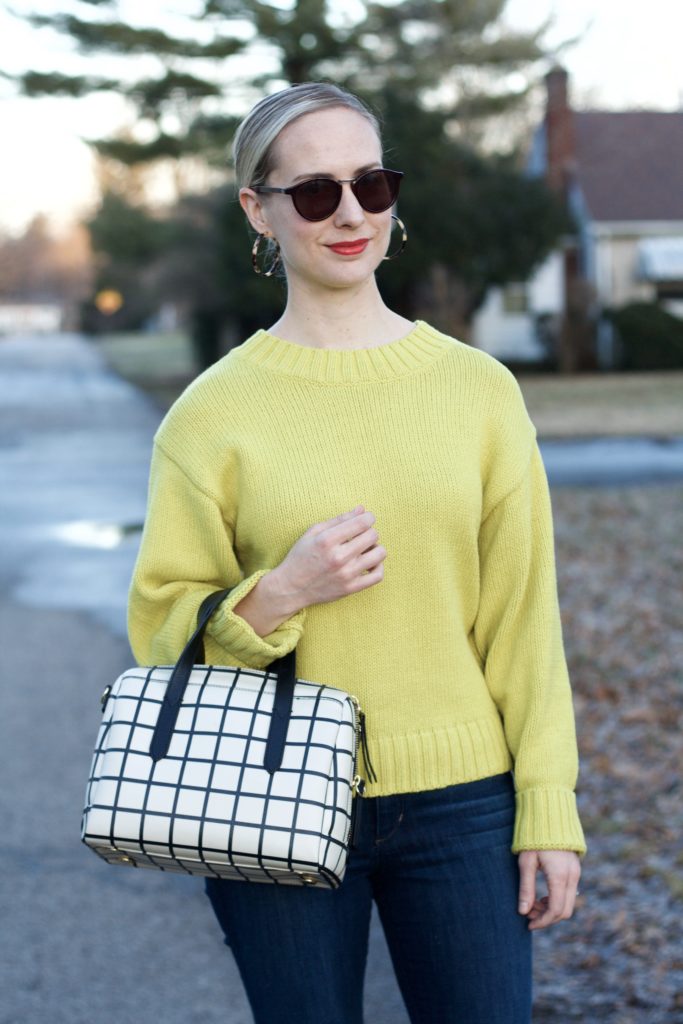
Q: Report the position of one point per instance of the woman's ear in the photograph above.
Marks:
(252, 206)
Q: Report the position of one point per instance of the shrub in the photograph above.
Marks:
(650, 338)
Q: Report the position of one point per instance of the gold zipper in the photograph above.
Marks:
(357, 783)
(362, 736)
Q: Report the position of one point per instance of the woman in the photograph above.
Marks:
(373, 490)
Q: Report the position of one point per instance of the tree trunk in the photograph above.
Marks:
(446, 300)
(206, 332)
(578, 333)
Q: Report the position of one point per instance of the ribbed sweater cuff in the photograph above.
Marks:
(547, 819)
(235, 634)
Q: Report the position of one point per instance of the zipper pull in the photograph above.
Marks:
(355, 814)
(366, 753)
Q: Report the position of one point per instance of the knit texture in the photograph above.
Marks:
(456, 656)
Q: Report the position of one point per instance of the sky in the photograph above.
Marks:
(629, 56)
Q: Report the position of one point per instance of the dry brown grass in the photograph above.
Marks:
(619, 558)
(605, 404)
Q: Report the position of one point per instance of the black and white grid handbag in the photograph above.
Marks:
(237, 773)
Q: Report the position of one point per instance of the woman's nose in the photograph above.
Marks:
(349, 210)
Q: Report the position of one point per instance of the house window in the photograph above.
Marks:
(516, 297)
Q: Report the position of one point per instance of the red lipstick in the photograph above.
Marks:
(350, 248)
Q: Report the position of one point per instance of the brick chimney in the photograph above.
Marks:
(559, 129)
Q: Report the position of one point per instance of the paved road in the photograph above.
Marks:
(86, 941)
(613, 460)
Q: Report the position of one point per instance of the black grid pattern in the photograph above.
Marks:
(210, 807)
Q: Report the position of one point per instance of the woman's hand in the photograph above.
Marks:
(562, 870)
(331, 559)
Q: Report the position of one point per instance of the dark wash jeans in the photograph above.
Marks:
(439, 867)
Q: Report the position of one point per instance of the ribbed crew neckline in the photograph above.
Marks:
(412, 352)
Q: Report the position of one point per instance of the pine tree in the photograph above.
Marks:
(449, 80)
(453, 56)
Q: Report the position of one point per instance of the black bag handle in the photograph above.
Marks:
(193, 653)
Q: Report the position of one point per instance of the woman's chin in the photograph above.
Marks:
(352, 274)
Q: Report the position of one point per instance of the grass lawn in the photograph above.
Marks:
(161, 364)
(581, 405)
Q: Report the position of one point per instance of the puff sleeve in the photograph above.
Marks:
(187, 552)
(518, 634)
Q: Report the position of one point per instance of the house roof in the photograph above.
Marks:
(629, 164)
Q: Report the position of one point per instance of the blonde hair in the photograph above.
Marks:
(252, 147)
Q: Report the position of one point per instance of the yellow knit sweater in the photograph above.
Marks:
(456, 655)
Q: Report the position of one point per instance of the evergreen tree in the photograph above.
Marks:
(454, 56)
(438, 72)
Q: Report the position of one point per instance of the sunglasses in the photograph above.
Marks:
(318, 198)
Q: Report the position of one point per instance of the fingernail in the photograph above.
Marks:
(523, 906)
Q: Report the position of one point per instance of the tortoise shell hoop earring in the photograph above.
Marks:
(255, 252)
(404, 239)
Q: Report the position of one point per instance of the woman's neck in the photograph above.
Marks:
(349, 317)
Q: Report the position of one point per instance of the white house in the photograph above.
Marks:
(620, 174)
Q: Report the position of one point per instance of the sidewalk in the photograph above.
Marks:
(86, 941)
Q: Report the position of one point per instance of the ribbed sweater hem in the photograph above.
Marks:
(545, 819)
(433, 758)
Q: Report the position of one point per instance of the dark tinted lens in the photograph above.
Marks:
(317, 198)
(377, 190)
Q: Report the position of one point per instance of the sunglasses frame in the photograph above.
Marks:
(353, 182)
